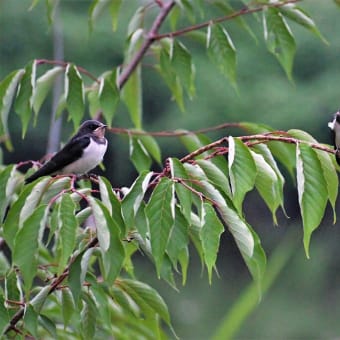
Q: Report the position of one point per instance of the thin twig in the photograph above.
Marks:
(243, 11)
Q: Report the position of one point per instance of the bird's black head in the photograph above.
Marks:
(92, 126)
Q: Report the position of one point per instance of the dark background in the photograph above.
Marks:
(303, 302)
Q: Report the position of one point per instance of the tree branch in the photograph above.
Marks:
(150, 38)
(243, 11)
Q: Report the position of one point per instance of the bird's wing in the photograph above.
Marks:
(69, 153)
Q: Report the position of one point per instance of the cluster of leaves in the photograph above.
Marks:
(68, 271)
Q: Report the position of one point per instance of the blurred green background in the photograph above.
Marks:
(304, 301)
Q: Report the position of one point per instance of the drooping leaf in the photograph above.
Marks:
(31, 320)
(7, 91)
(134, 197)
(139, 155)
(88, 315)
(67, 304)
(74, 94)
(279, 39)
(4, 316)
(68, 230)
(242, 171)
(5, 176)
(48, 325)
(43, 87)
(26, 245)
(211, 231)
(328, 168)
(222, 52)
(183, 192)
(109, 95)
(312, 190)
(183, 67)
(160, 213)
(24, 100)
(151, 146)
(98, 7)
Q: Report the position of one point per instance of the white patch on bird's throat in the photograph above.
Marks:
(92, 155)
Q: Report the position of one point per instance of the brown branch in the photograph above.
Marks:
(53, 286)
(243, 11)
(150, 38)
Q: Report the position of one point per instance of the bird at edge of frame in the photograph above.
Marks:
(335, 128)
(82, 153)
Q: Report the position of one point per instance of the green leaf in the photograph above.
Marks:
(169, 76)
(75, 275)
(67, 304)
(112, 203)
(160, 213)
(183, 193)
(5, 177)
(151, 146)
(215, 175)
(74, 94)
(132, 91)
(26, 245)
(312, 190)
(134, 197)
(24, 100)
(38, 301)
(93, 100)
(210, 234)
(4, 316)
(179, 237)
(268, 184)
(328, 168)
(284, 152)
(279, 39)
(114, 11)
(98, 7)
(302, 18)
(109, 95)
(88, 317)
(43, 87)
(68, 230)
(141, 292)
(48, 325)
(242, 171)
(182, 65)
(222, 52)
(31, 320)
(139, 155)
(7, 91)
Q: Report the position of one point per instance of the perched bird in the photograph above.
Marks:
(81, 154)
(335, 127)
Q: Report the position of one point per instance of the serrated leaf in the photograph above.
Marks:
(182, 65)
(172, 81)
(31, 320)
(139, 155)
(101, 224)
(7, 91)
(43, 86)
(5, 176)
(24, 100)
(134, 197)
(111, 202)
(328, 168)
(312, 190)
(68, 306)
(183, 259)
(109, 95)
(183, 193)
(215, 175)
(242, 171)
(88, 315)
(75, 275)
(151, 146)
(74, 94)
(268, 185)
(141, 292)
(93, 100)
(160, 213)
(302, 18)
(222, 52)
(279, 39)
(284, 152)
(179, 237)
(68, 230)
(26, 245)
(38, 301)
(210, 234)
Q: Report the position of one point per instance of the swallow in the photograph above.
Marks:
(81, 154)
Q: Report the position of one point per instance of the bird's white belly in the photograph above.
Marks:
(92, 156)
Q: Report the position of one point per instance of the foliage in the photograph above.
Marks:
(71, 242)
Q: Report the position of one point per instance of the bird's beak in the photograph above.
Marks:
(100, 131)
